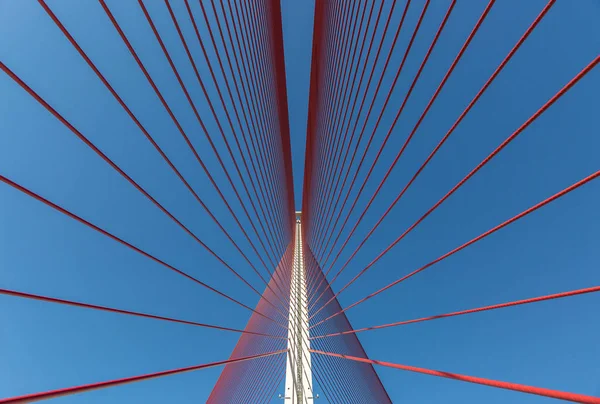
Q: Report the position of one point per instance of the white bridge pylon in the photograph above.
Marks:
(298, 372)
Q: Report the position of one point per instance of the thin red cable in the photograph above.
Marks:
(383, 108)
(327, 63)
(259, 75)
(125, 243)
(367, 86)
(474, 240)
(327, 212)
(248, 104)
(345, 118)
(329, 153)
(580, 398)
(85, 140)
(331, 115)
(263, 38)
(274, 24)
(117, 382)
(247, 68)
(167, 108)
(408, 93)
(49, 299)
(197, 115)
(184, 42)
(460, 118)
(516, 133)
(230, 93)
(377, 88)
(365, 180)
(141, 127)
(311, 284)
(408, 139)
(470, 311)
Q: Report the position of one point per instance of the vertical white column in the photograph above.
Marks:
(298, 373)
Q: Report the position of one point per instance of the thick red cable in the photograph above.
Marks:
(117, 382)
(580, 398)
(470, 311)
(460, 118)
(498, 149)
(49, 299)
(476, 239)
(125, 243)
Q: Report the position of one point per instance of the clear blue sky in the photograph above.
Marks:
(551, 344)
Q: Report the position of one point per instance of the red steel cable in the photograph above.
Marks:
(470, 311)
(246, 60)
(407, 95)
(516, 133)
(144, 131)
(197, 115)
(379, 118)
(49, 299)
(263, 38)
(390, 91)
(261, 80)
(315, 72)
(171, 114)
(364, 68)
(433, 98)
(275, 54)
(184, 42)
(247, 103)
(250, 40)
(85, 140)
(345, 118)
(222, 37)
(328, 139)
(332, 111)
(228, 87)
(474, 240)
(463, 114)
(176, 122)
(331, 46)
(117, 382)
(367, 86)
(379, 82)
(125, 243)
(580, 398)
